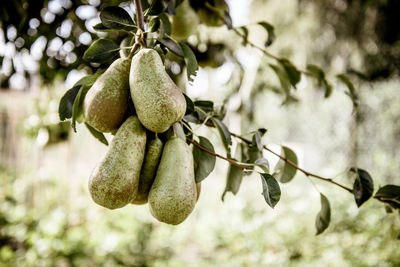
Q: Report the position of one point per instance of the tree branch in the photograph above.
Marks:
(307, 173)
(232, 161)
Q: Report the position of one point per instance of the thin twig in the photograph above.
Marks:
(307, 173)
(232, 161)
(235, 30)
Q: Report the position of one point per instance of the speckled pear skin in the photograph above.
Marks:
(158, 101)
(185, 21)
(151, 160)
(114, 182)
(172, 196)
(106, 104)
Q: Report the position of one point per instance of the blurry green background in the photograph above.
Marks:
(47, 217)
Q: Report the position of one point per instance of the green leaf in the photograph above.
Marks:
(101, 28)
(77, 107)
(324, 216)
(154, 24)
(263, 164)
(88, 80)
(85, 83)
(203, 108)
(284, 172)
(165, 25)
(224, 134)
(256, 140)
(291, 71)
(173, 46)
(234, 176)
(389, 194)
(271, 189)
(319, 74)
(101, 51)
(363, 186)
(204, 162)
(270, 30)
(117, 18)
(206, 105)
(67, 102)
(190, 61)
(245, 35)
(189, 105)
(352, 93)
(156, 8)
(228, 20)
(220, 112)
(283, 78)
(98, 135)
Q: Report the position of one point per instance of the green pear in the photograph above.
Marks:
(157, 100)
(149, 168)
(106, 104)
(185, 21)
(172, 196)
(114, 182)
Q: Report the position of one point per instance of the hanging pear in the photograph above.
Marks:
(151, 159)
(158, 101)
(106, 104)
(114, 182)
(185, 21)
(172, 196)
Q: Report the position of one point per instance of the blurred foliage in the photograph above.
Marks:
(372, 25)
(64, 29)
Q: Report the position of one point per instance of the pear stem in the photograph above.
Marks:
(139, 14)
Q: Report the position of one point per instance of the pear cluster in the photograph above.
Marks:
(139, 166)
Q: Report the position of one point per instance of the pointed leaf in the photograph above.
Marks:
(284, 172)
(283, 78)
(363, 186)
(270, 30)
(206, 105)
(263, 164)
(227, 20)
(257, 141)
(114, 17)
(165, 25)
(67, 102)
(324, 216)
(154, 24)
(271, 189)
(101, 28)
(352, 93)
(189, 105)
(77, 107)
(204, 162)
(101, 51)
(88, 80)
(156, 8)
(98, 135)
(319, 74)
(245, 35)
(234, 176)
(224, 133)
(389, 194)
(173, 46)
(293, 74)
(190, 61)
